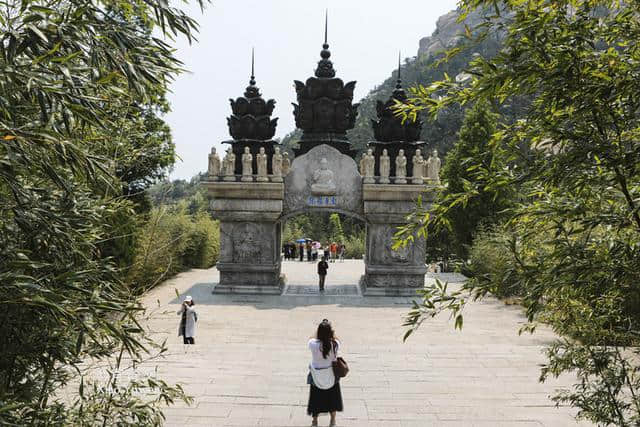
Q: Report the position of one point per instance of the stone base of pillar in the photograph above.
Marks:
(383, 280)
(249, 279)
(388, 271)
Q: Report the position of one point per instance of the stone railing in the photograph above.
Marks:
(225, 170)
(424, 171)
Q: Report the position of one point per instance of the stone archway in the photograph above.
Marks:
(322, 179)
(250, 197)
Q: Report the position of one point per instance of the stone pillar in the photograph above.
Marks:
(388, 272)
(248, 212)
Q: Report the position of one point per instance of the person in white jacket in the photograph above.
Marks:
(324, 388)
(188, 319)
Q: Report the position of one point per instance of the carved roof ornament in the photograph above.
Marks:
(388, 127)
(251, 118)
(324, 110)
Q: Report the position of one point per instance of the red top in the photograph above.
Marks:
(334, 247)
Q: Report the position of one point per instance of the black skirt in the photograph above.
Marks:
(321, 401)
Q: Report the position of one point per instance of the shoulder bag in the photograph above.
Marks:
(340, 368)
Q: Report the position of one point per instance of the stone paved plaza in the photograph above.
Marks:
(249, 364)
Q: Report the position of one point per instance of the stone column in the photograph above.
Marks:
(391, 272)
(248, 212)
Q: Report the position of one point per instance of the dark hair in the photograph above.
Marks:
(326, 335)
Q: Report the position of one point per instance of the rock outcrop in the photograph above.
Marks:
(449, 32)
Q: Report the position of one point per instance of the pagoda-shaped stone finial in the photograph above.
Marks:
(325, 66)
(391, 134)
(324, 110)
(251, 118)
(399, 92)
(388, 127)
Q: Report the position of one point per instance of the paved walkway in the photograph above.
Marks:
(248, 367)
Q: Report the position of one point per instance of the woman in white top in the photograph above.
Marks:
(188, 319)
(324, 391)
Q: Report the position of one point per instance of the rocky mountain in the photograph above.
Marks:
(423, 69)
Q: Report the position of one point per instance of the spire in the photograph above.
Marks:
(252, 90)
(399, 81)
(253, 77)
(326, 25)
(325, 67)
(398, 92)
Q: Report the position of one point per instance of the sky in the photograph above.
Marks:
(365, 37)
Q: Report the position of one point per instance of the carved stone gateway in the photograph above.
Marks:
(322, 177)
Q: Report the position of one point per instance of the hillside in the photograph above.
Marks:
(422, 69)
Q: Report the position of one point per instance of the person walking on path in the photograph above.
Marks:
(188, 319)
(334, 251)
(301, 252)
(322, 272)
(324, 388)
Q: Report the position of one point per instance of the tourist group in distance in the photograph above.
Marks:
(306, 249)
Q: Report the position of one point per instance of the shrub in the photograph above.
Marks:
(170, 242)
(490, 263)
(355, 247)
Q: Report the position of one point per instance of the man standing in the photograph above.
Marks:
(322, 272)
(334, 251)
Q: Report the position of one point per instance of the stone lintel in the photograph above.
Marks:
(246, 205)
(397, 192)
(244, 190)
(246, 216)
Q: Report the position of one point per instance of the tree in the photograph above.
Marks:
(578, 61)
(470, 153)
(68, 68)
(335, 231)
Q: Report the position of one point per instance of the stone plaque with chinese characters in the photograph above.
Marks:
(322, 201)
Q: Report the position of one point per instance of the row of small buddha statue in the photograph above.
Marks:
(280, 165)
(423, 170)
(428, 170)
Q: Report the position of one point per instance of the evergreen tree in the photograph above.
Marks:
(335, 230)
(470, 154)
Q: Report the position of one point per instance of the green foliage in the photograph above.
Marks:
(492, 262)
(173, 241)
(327, 228)
(172, 192)
(335, 231)
(355, 246)
(463, 167)
(80, 80)
(574, 155)
(323, 227)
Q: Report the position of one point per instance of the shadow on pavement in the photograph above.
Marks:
(202, 295)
